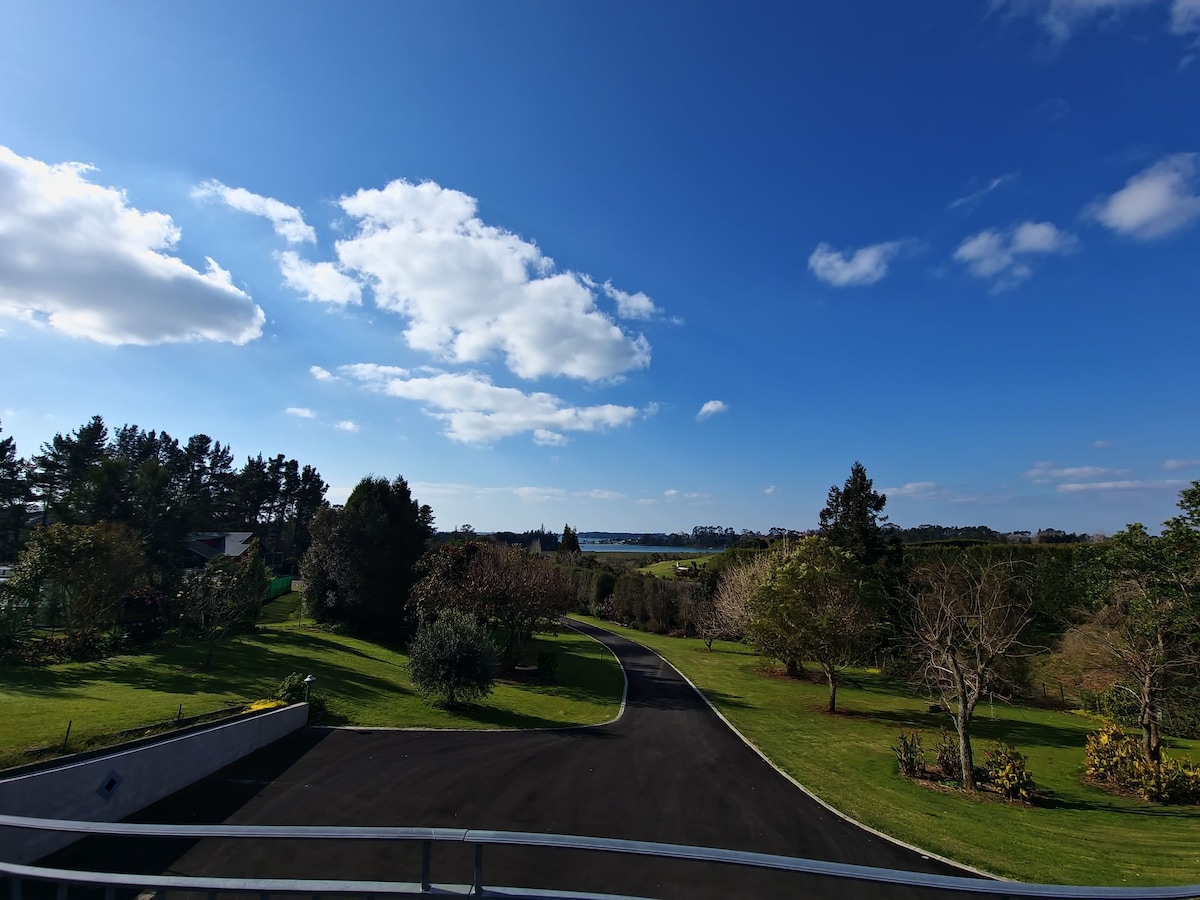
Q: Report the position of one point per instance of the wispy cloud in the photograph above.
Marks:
(974, 197)
(549, 438)
(1175, 464)
(322, 374)
(1100, 445)
(1060, 19)
(287, 221)
(853, 268)
(771, 489)
(300, 412)
(600, 494)
(476, 411)
(347, 425)
(1044, 472)
(915, 490)
(1001, 255)
(1154, 203)
(1074, 488)
(710, 409)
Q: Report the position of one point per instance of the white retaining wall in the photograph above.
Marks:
(109, 788)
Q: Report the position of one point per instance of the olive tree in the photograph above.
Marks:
(453, 657)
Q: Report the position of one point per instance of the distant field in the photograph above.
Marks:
(1081, 835)
(364, 684)
(666, 568)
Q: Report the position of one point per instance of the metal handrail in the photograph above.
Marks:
(482, 838)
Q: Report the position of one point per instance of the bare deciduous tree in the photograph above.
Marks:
(966, 617)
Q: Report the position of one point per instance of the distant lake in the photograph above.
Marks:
(587, 547)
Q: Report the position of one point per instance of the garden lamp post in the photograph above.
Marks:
(308, 685)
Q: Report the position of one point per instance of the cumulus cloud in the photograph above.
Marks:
(476, 411)
(76, 256)
(300, 412)
(1155, 202)
(322, 374)
(287, 221)
(866, 265)
(469, 290)
(710, 409)
(1001, 255)
(1174, 464)
(974, 197)
(323, 282)
(347, 425)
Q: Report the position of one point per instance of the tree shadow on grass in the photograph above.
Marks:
(1014, 731)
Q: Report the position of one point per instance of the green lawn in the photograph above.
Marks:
(1081, 835)
(666, 568)
(364, 684)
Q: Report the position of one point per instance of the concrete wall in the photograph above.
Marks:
(110, 787)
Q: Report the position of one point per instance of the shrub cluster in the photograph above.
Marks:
(1008, 773)
(1005, 769)
(1113, 757)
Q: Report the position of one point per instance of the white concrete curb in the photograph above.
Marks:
(837, 812)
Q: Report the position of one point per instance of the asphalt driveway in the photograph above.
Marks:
(668, 770)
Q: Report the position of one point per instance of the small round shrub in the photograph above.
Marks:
(453, 658)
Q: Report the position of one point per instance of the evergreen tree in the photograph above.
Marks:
(570, 541)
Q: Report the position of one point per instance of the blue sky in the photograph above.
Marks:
(630, 266)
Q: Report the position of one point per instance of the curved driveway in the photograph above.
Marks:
(668, 770)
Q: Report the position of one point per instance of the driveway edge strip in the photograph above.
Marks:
(837, 812)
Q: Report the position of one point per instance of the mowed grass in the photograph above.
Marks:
(363, 683)
(1081, 835)
(666, 568)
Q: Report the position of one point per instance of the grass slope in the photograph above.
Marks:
(364, 684)
(1080, 836)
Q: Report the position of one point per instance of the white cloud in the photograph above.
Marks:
(1070, 488)
(1044, 472)
(1100, 445)
(469, 290)
(914, 489)
(866, 265)
(322, 374)
(322, 281)
(347, 425)
(1174, 464)
(1185, 16)
(300, 412)
(670, 493)
(771, 489)
(631, 306)
(549, 438)
(651, 409)
(1061, 18)
(1155, 202)
(600, 495)
(76, 256)
(973, 198)
(476, 411)
(999, 255)
(287, 221)
(711, 408)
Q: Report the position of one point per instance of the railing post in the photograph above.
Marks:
(426, 862)
(14, 890)
(477, 888)
(61, 892)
